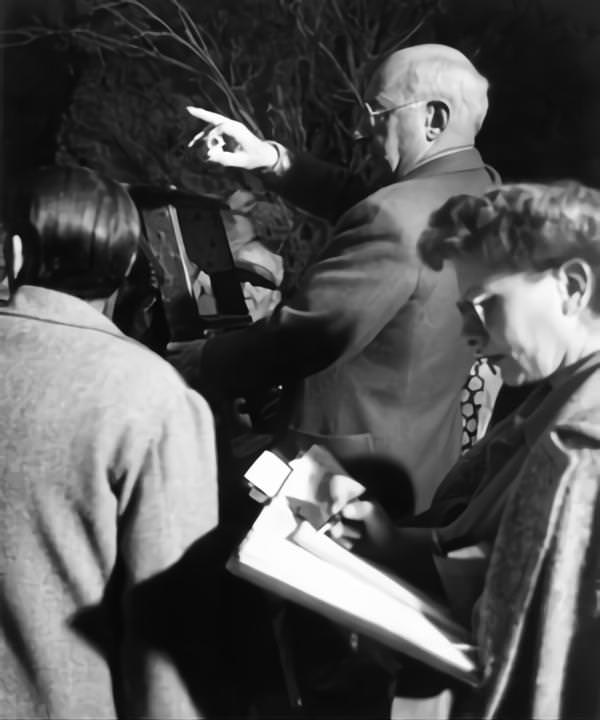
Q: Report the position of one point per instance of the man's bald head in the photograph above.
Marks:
(433, 73)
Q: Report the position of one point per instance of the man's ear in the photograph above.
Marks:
(577, 282)
(15, 256)
(437, 119)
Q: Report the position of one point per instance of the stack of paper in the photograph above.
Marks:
(289, 556)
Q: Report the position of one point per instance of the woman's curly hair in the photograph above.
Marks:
(517, 227)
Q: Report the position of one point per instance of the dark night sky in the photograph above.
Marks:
(543, 120)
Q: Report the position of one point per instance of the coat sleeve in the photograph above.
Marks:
(170, 505)
(367, 274)
(318, 187)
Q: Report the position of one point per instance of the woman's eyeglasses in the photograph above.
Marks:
(476, 308)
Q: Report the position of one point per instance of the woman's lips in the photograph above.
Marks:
(494, 359)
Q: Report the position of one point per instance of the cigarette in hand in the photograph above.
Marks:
(214, 141)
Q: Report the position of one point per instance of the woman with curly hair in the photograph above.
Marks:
(515, 545)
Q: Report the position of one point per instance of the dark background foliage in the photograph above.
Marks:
(105, 83)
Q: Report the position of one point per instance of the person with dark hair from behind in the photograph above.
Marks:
(107, 466)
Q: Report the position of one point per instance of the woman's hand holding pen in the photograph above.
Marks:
(364, 527)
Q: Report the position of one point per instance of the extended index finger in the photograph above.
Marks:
(207, 115)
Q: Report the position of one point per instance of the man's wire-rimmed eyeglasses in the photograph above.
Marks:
(374, 114)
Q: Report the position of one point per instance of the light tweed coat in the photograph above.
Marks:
(108, 474)
(539, 616)
(537, 622)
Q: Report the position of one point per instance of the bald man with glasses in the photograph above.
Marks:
(370, 340)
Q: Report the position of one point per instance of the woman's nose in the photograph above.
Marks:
(475, 333)
(476, 347)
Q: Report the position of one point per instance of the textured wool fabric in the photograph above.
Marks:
(107, 476)
(537, 621)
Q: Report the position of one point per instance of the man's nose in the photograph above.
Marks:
(363, 129)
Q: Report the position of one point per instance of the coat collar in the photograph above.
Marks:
(52, 306)
(565, 399)
(451, 162)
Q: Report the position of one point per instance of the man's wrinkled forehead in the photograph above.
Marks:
(392, 82)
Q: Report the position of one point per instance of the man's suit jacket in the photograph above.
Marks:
(373, 334)
(107, 476)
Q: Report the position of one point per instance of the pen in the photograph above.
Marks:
(326, 527)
